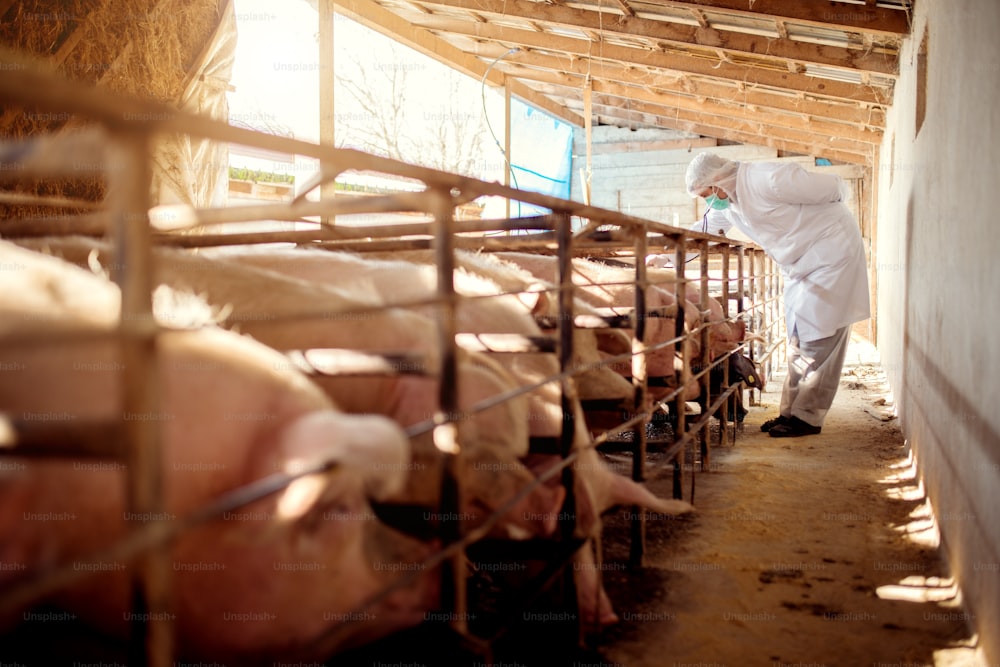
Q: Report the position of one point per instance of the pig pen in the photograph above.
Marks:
(521, 590)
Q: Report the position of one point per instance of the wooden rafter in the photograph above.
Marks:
(775, 78)
(676, 63)
(626, 8)
(731, 42)
(737, 112)
(638, 118)
(759, 126)
(841, 16)
(557, 70)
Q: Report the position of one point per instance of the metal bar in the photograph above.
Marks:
(640, 403)
(740, 298)
(79, 438)
(152, 624)
(680, 252)
(447, 433)
(725, 412)
(706, 360)
(751, 321)
(327, 93)
(567, 393)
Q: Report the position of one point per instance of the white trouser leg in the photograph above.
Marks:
(813, 375)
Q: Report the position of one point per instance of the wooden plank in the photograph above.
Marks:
(327, 116)
(737, 112)
(583, 49)
(730, 42)
(782, 140)
(820, 135)
(644, 147)
(569, 72)
(678, 159)
(152, 624)
(872, 19)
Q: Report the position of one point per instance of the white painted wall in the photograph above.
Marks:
(938, 270)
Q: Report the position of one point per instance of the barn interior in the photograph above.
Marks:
(889, 95)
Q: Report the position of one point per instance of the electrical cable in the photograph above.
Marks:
(489, 125)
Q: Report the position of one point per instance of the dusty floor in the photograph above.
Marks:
(807, 551)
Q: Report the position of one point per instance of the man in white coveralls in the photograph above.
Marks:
(800, 219)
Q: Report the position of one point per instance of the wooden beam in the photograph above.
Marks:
(855, 18)
(739, 112)
(327, 95)
(626, 8)
(588, 117)
(506, 139)
(779, 77)
(371, 15)
(751, 138)
(807, 142)
(609, 147)
(555, 70)
(878, 60)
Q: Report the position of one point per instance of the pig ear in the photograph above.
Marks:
(370, 450)
(537, 301)
(613, 341)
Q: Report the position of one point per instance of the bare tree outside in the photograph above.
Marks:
(397, 106)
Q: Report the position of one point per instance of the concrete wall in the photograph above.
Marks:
(641, 172)
(938, 270)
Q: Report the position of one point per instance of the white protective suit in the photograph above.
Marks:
(800, 219)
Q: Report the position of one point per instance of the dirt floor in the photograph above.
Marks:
(804, 551)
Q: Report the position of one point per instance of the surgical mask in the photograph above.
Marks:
(715, 202)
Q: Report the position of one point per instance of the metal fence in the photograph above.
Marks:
(738, 275)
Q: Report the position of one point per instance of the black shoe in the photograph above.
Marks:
(793, 428)
(771, 423)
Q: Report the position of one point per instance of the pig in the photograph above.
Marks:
(255, 584)
(598, 488)
(592, 279)
(254, 301)
(412, 277)
(610, 287)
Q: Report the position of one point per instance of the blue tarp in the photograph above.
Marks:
(541, 154)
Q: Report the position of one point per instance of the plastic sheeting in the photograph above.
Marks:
(190, 170)
(541, 152)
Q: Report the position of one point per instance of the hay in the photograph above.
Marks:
(143, 48)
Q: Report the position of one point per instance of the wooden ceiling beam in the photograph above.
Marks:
(552, 69)
(739, 112)
(734, 43)
(706, 67)
(626, 8)
(639, 118)
(758, 126)
(837, 15)
(373, 16)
